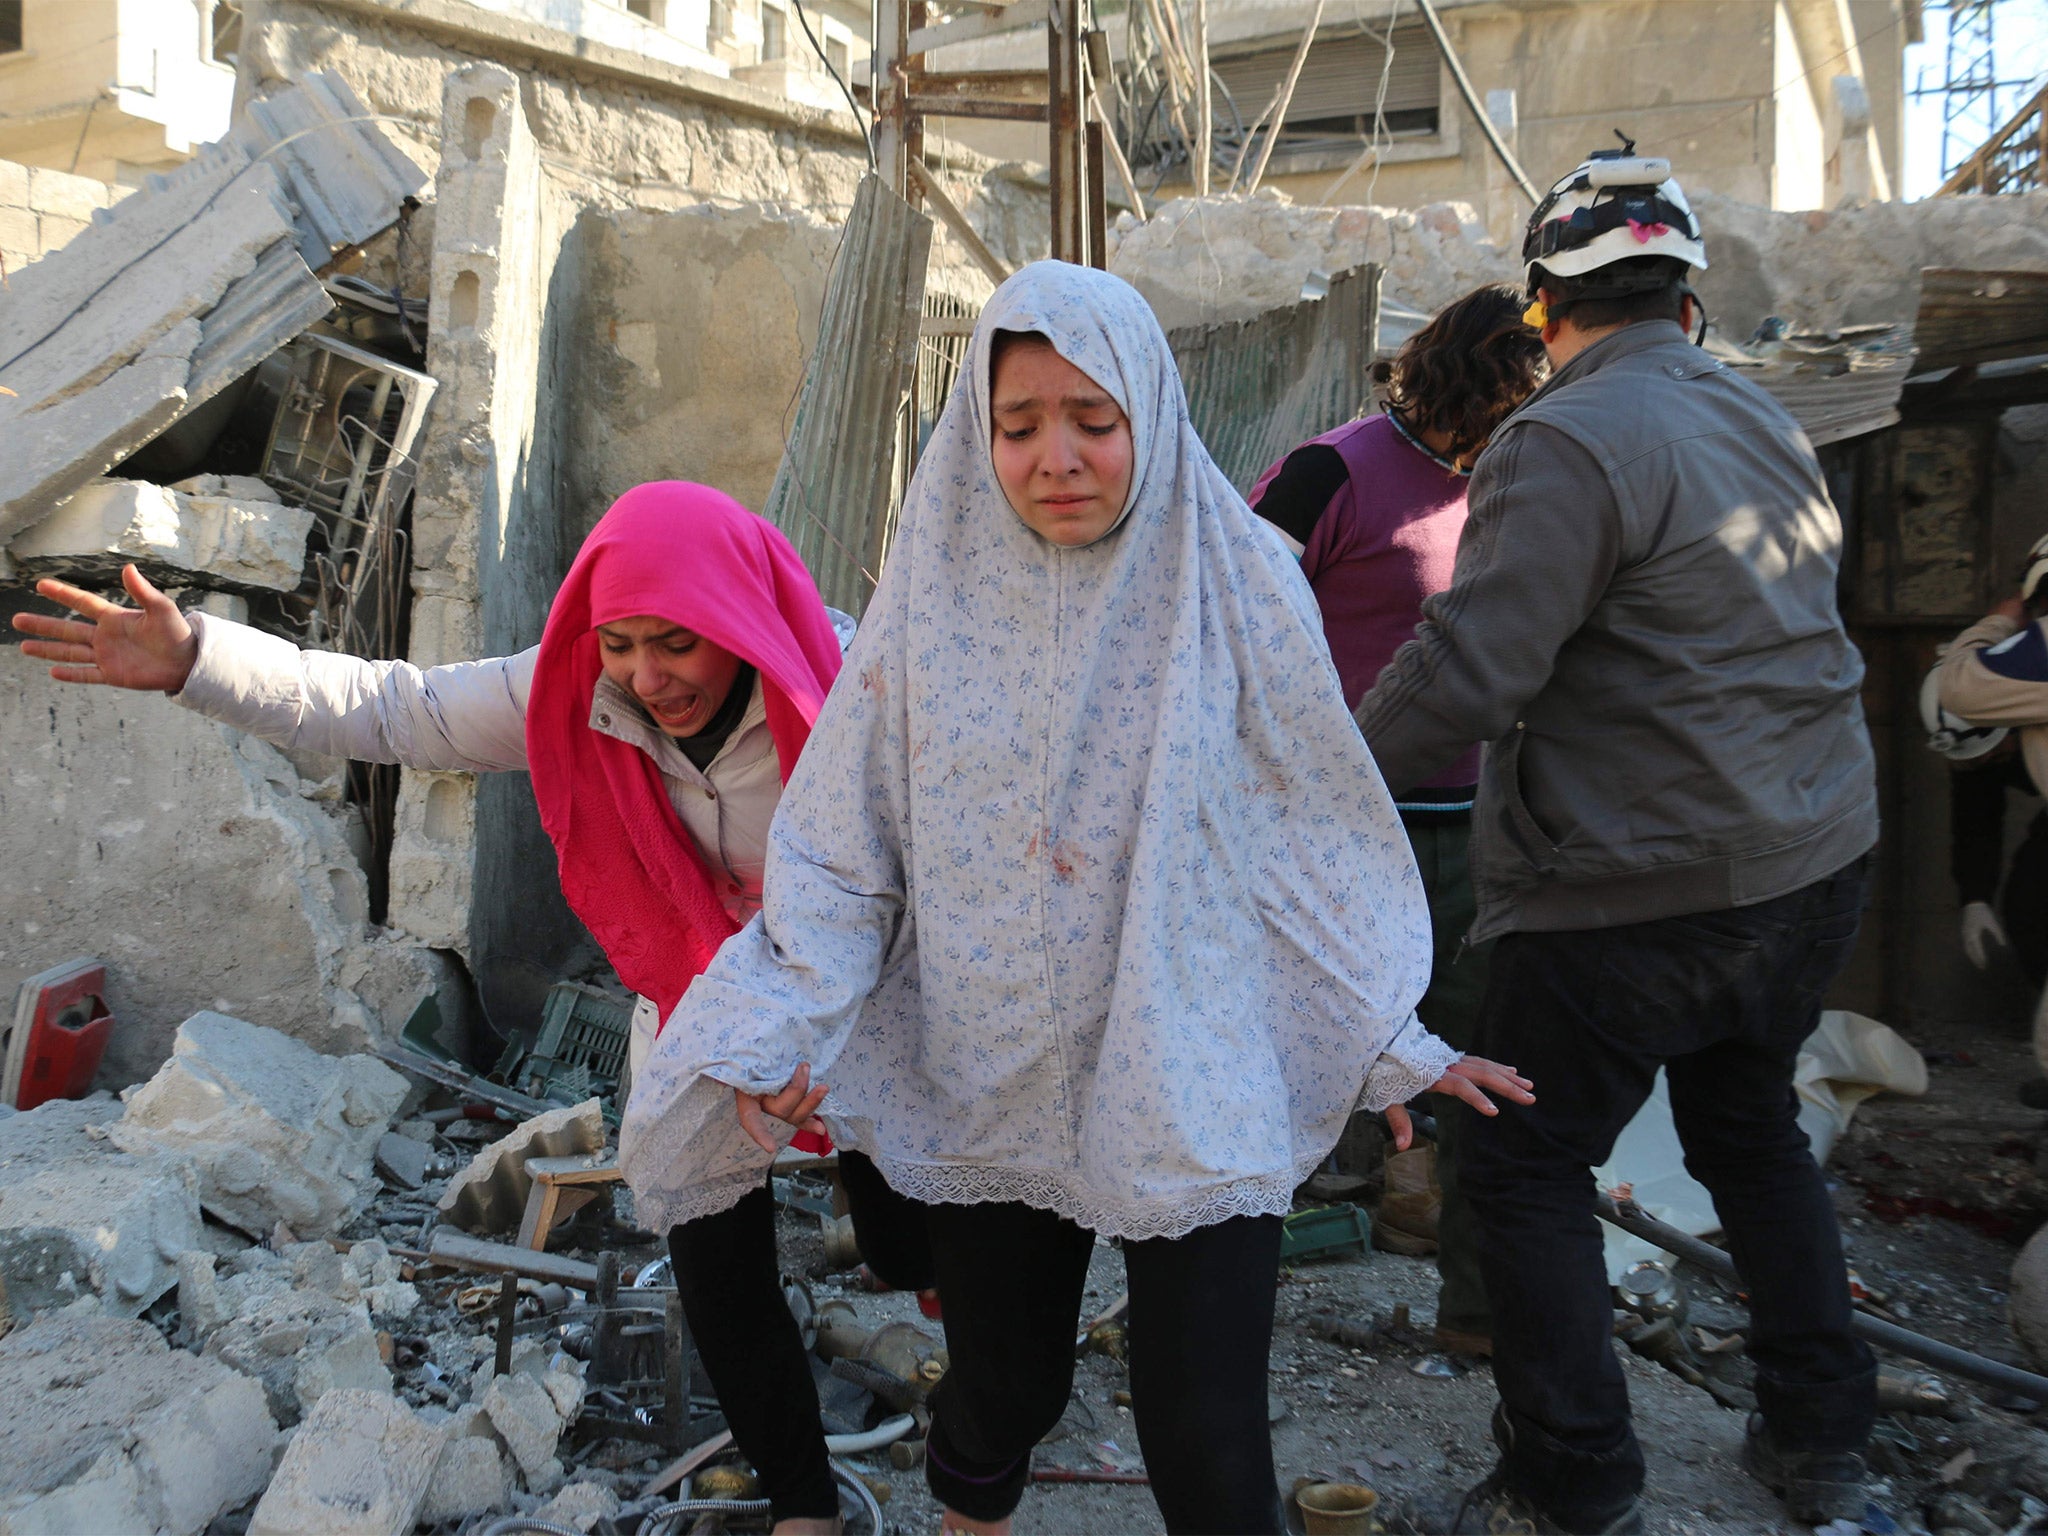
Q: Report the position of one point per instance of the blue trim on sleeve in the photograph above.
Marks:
(2023, 658)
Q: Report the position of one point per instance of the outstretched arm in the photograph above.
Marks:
(470, 716)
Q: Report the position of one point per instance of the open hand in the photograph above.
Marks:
(1472, 1078)
(795, 1104)
(149, 646)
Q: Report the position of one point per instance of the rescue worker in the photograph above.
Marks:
(1994, 678)
(1674, 815)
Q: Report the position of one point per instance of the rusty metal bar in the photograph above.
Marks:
(892, 48)
(968, 106)
(1098, 211)
(951, 216)
(993, 84)
(1068, 154)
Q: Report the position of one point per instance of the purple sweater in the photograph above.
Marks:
(1379, 521)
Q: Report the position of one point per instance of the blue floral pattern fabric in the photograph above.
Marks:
(1085, 892)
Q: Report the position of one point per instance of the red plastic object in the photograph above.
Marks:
(61, 1029)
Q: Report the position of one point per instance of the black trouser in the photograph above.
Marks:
(2024, 905)
(731, 1289)
(1721, 1000)
(1200, 1325)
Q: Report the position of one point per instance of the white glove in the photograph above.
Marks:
(1981, 929)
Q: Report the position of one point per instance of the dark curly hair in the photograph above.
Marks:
(1471, 365)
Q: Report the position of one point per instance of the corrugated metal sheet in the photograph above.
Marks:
(346, 179)
(1974, 317)
(1836, 389)
(1258, 387)
(832, 492)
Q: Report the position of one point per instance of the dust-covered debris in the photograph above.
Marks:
(278, 1131)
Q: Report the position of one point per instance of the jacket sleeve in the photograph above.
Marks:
(1990, 682)
(1541, 543)
(470, 716)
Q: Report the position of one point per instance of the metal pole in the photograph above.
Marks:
(892, 39)
(1068, 154)
(1633, 1220)
(1205, 128)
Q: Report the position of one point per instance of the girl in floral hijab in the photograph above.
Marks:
(1088, 904)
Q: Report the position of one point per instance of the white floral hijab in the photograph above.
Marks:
(1085, 892)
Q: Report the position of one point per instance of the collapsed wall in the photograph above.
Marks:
(1215, 259)
(196, 862)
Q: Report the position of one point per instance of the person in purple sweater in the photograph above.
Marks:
(1375, 510)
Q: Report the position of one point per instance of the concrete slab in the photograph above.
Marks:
(195, 534)
(113, 1226)
(278, 1131)
(109, 1429)
(359, 1466)
(470, 1478)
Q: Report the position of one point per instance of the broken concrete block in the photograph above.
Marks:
(103, 1224)
(213, 538)
(402, 1160)
(470, 1478)
(579, 1506)
(106, 352)
(490, 1194)
(109, 1429)
(278, 1131)
(203, 1303)
(380, 1280)
(300, 1345)
(525, 1417)
(359, 1466)
(53, 1132)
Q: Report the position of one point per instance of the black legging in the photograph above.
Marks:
(731, 1289)
(1201, 1323)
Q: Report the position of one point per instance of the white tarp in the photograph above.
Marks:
(1844, 1061)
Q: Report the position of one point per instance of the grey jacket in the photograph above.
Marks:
(1642, 627)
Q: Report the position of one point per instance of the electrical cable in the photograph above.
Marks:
(867, 134)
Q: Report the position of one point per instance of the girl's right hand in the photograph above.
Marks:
(149, 646)
(1470, 1078)
(796, 1103)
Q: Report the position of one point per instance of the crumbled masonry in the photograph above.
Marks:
(278, 1131)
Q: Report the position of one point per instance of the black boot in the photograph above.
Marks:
(1817, 1486)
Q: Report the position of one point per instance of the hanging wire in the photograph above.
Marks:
(867, 136)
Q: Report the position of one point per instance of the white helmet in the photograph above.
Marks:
(2036, 568)
(1615, 205)
(1948, 733)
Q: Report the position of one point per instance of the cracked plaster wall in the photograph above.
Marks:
(196, 862)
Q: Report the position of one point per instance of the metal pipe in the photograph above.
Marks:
(1900, 1341)
(1507, 158)
(887, 1432)
(951, 216)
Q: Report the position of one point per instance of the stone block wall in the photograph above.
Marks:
(40, 210)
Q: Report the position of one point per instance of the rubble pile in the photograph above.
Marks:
(213, 1298)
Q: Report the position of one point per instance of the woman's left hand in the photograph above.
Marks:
(1471, 1078)
(796, 1103)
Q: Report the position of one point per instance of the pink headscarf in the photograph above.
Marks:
(694, 556)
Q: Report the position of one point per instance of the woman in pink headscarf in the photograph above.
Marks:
(683, 663)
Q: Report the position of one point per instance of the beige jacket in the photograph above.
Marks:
(1982, 697)
(471, 716)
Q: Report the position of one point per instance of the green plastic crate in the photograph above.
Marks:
(1327, 1232)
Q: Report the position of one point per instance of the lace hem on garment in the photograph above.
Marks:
(657, 1208)
(1394, 1080)
(1270, 1194)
